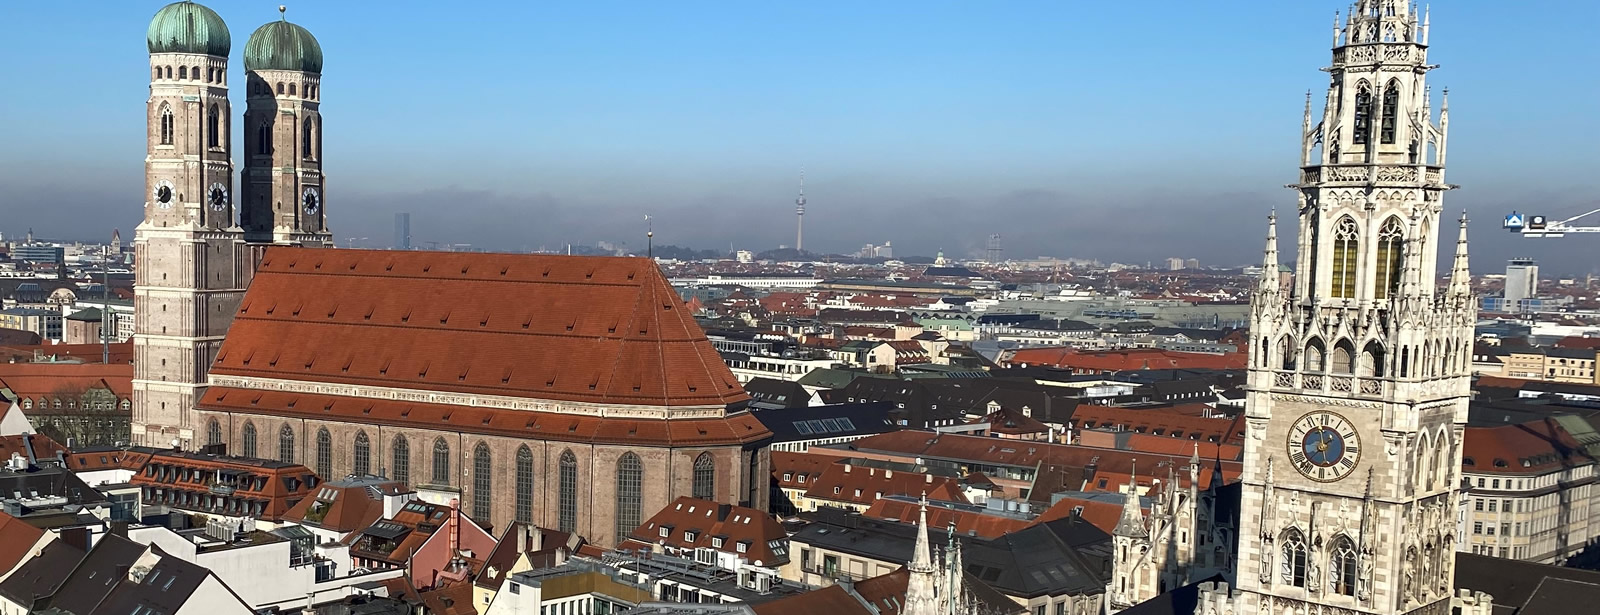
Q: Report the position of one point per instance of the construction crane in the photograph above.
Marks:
(1539, 226)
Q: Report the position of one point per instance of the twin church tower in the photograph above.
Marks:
(197, 244)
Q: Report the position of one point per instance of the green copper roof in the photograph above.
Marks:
(281, 45)
(186, 27)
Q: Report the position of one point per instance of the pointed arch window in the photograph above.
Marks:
(1363, 119)
(362, 461)
(630, 486)
(167, 124)
(1391, 112)
(1391, 255)
(214, 127)
(249, 448)
(402, 460)
(264, 139)
(1294, 558)
(441, 462)
(213, 433)
(705, 476)
(482, 467)
(1342, 567)
(324, 454)
(568, 495)
(1345, 244)
(286, 444)
(307, 139)
(524, 484)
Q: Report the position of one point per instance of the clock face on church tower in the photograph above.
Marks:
(311, 201)
(1324, 446)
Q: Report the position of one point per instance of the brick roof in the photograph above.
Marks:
(832, 599)
(1530, 448)
(343, 506)
(187, 481)
(939, 517)
(121, 352)
(1101, 361)
(36, 380)
(566, 328)
(16, 540)
(706, 520)
(860, 485)
(799, 470)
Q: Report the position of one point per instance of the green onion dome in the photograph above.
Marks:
(186, 27)
(281, 45)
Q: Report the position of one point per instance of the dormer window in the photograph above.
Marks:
(741, 546)
(688, 536)
(666, 532)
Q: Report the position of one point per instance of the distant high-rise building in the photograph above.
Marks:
(1193, 263)
(402, 231)
(1174, 264)
(1522, 283)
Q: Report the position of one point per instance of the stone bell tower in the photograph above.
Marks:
(1360, 372)
(284, 188)
(191, 270)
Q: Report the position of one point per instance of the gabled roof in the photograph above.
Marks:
(976, 523)
(565, 328)
(49, 380)
(709, 523)
(42, 575)
(863, 485)
(342, 506)
(831, 421)
(833, 600)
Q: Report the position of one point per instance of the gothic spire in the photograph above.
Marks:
(921, 592)
(1460, 274)
(1269, 260)
(1131, 524)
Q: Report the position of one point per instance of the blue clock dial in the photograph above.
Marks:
(1323, 446)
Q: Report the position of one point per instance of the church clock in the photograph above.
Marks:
(163, 194)
(312, 201)
(218, 196)
(1324, 446)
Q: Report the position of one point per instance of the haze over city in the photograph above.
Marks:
(1131, 136)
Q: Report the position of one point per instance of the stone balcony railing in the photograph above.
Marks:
(1361, 174)
(1333, 384)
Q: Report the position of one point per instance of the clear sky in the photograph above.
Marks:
(1126, 131)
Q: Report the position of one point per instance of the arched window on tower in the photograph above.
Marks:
(324, 454)
(524, 484)
(169, 72)
(1315, 354)
(286, 444)
(705, 476)
(183, 72)
(195, 73)
(482, 485)
(291, 89)
(214, 127)
(441, 462)
(167, 124)
(362, 458)
(402, 460)
(157, 73)
(249, 448)
(280, 88)
(630, 487)
(1345, 244)
(307, 139)
(1391, 112)
(1363, 120)
(1343, 358)
(1391, 258)
(1342, 567)
(1372, 358)
(1294, 558)
(568, 493)
(264, 139)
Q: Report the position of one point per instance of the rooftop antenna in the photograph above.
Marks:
(800, 215)
(105, 297)
(649, 238)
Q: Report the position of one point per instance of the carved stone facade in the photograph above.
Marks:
(284, 190)
(192, 263)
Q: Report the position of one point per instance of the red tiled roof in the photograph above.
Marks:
(1103, 515)
(47, 380)
(799, 470)
(186, 481)
(86, 461)
(737, 428)
(832, 600)
(567, 328)
(987, 526)
(1534, 447)
(121, 352)
(844, 482)
(43, 447)
(16, 540)
(340, 507)
(705, 520)
(1169, 421)
(1011, 422)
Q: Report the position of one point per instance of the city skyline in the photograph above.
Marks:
(932, 130)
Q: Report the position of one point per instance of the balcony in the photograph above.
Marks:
(221, 489)
(1332, 384)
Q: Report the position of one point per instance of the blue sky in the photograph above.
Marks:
(1165, 128)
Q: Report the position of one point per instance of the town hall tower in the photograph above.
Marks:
(1360, 372)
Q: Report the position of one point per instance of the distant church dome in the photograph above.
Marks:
(281, 45)
(186, 27)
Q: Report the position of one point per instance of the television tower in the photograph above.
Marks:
(800, 215)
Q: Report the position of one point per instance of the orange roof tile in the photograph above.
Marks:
(567, 328)
(121, 352)
(16, 540)
(704, 520)
(46, 380)
(843, 482)
(1100, 361)
(985, 525)
(1534, 447)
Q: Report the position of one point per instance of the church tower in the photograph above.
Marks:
(283, 183)
(1359, 373)
(190, 276)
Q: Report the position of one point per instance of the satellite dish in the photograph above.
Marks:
(175, 443)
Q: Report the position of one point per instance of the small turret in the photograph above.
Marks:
(1269, 259)
(1131, 525)
(1460, 273)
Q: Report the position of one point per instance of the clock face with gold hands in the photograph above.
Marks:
(1324, 446)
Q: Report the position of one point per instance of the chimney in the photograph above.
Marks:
(722, 511)
(522, 538)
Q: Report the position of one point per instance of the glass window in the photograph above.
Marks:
(705, 475)
(482, 466)
(249, 448)
(568, 488)
(1345, 251)
(1294, 559)
(362, 465)
(630, 484)
(324, 454)
(1391, 252)
(402, 460)
(286, 444)
(441, 462)
(524, 484)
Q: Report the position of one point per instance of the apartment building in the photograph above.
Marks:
(1530, 489)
